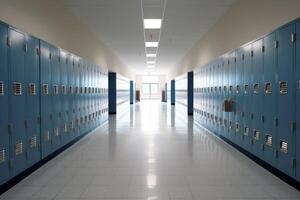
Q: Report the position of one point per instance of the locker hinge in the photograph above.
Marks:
(50, 56)
(8, 42)
(252, 53)
(276, 122)
(10, 164)
(294, 163)
(25, 48)
(293, 126)
(276, 44)
(26, 123)
(293, 37)
(276, 154)
(235, 59)
(10, 127)
(37, 51)
(263, 49)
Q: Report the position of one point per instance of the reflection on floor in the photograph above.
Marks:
(151, 151)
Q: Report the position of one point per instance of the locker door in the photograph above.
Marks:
(298, 100)
(4, 92)
(76, 107)
(226, 95)
(32, 94)
(270, 99)
(286, 99)
(46, 101)
(17, 101)
(70, 98)
(63, 97)
(55, 98)
(232, 95)
(220, 92)
(239, 95)
(257, 100)
(247, 100)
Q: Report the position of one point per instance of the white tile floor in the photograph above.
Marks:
(151, 152)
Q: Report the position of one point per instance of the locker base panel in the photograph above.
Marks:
(173, 104)
(190, 113)
(15, 180)
(287, 179)
(112, 113)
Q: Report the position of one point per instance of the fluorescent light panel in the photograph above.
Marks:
(150, 62)
(151, 44)
(151, 66)
(151, 55)
(152, 23)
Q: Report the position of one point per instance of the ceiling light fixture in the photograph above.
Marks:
(151, 66)
(150, 55)
(151, 44)
(150, 62)
(152, 23)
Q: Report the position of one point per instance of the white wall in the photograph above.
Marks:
(244, 22)
(51, 21)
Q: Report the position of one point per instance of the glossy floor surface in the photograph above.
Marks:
(152, 151)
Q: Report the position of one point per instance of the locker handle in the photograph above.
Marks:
(262, 119)
(275, 122)
(26, 123)
(10, 128)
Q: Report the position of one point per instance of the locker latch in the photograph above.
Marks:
(294, 163)
(237, 89)
(8, 42)
(246, 89)
(283, 146)
(268, 88)
(276, 44)
(293, 125)
(10, 128)
(268, 140)
(17, 88)
(283, 87)
(32, 89)
(262, 119)
(26, 124)
(1, 88)
(276, 122)
(293, 37)
(256, 88)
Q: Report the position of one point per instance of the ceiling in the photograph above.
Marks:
(119, 23)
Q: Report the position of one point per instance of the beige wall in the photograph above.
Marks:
(245, 21)
(51, 21)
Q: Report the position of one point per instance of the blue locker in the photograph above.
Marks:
(232, 95)
(239, 95)
(75, 95)
(270, 99)
(80, 96)
(225, 94)
(55, 97)
(298, 100)
(257, 98)
(17, 100)
(220, 95)
(32, 101)
(4, 93)
(46, 100)
(63, 96)
(247, 97)
(286, 99)
(70, 70)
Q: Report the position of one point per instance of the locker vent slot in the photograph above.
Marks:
(268, 88)
(230, 125)
(85, 90)
(76, 90)
(47, 136)
(225, 89)
(32, 142)
(81, 120)
(55, 89)
(216, 119)
(237, 89)
(220, 89)
(17, 89)
(1, 88)
(237, 128)
(269, 140)
(220, 120)
(71, 90)
(65, 127)
(81, 90)
(56, 132)
(216, 89)
(225, 123)
(90, 90)
(63, 89)
(246, 89)
(19, 148)
(85, 119)
(283, 146)
(246, 131)
(45, 89)
(93, 90)
(283, 87)
(231, 88)
(32, 89)
(71, 125)
(256, 88)
(256, 134)
(2, 156)
(211, 89)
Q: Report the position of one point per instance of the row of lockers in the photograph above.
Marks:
(181, 89)
(262, 82)
(48, 97)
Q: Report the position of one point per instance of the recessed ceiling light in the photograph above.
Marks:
(151, 44)
(150, 55)
(151, 66)
(150, 62)
(152, 23)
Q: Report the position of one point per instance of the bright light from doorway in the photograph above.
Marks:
(151, 44)
(152, 23)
